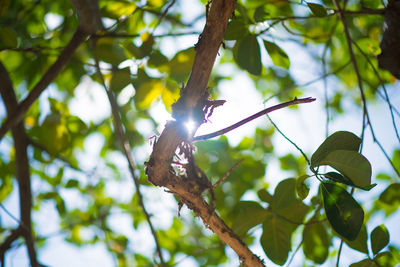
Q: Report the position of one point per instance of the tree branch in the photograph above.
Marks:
(192, 98)
(18, 113)
(125, 147)
(254, 116)
(360, 86)
(21, 164)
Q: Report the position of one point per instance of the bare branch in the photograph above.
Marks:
(254, 116)
(360, 85)
(21, 164)
(125, 147)
(192, 98)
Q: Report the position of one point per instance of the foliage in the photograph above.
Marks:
(78, 170)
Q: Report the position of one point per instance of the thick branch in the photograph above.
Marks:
(254, 116)
(21, 163)
(159, 168)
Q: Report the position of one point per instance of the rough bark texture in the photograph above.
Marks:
(192, 103)
(389, 59)
(21, 169)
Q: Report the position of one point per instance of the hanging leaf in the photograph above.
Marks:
(316, 243)
(391, 195)
(360, 243)
(317, 9)
(302, 188)
(341, 140)
(260, 14)
(264, 195)
(236, 30)
(247, 54)
(285, 203)
(364, 263)
(275, 239)
(379, 238)
(278, 56)
(181, 65)
(120, 79)
(106, 50)
(248, 215)
(351, 164)
(337, 177)
(344, 214)
(386, 259)
(4, 5)
(8, 37)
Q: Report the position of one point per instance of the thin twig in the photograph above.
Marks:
(226, 175)
(360, 85)
(295, 101)
(9, 213)
(127, 152)
(16, 117)
(386, 96)
(288, 139)
(164, 13)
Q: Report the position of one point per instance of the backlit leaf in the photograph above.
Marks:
(302, 188)
(316, 243)
(236, 30)
(391, 195)
(8, 37)
(275, 239)
(247, 54)
(360, 243)
(341, 140)
(351, 164)
(278, 56)
(248, 215)
(379, 238)
(317, 9)
(120, 79)
(343, 212)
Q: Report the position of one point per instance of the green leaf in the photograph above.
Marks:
(364, 263)
(109, 52)
(351, 164)
(302, 188)
(385, 259)
(247, 54)
(264, 195)
(285, 203)
(278, 56)
(4, 5)
(316, 243)
(337, 177)
(391, 195)
(344, 214)
(72, 183)
(248, 215)
(117, 9)
(317, 9)
(181, 65)
(341, 140)
(120, 79)
(275, 239)
(379, 238)
(236, 30)
(260, 14)
(360, 243)
(8, 37)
